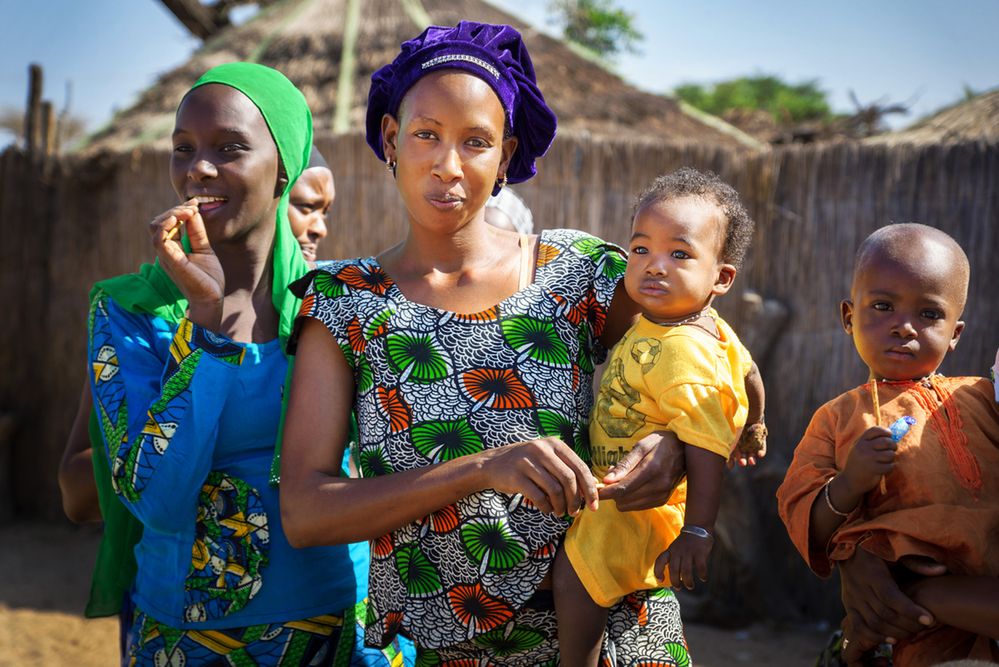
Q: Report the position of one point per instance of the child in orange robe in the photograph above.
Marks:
(939, 508)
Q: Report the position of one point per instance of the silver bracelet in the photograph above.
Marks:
(703, 533)
(825, 493)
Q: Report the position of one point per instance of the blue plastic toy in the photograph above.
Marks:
(900, 427)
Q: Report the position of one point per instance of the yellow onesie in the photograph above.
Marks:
(680, 379)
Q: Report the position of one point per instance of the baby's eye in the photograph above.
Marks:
(881, 305)
(181, 148)
(680, 254)
(931, 314)
(640, 250)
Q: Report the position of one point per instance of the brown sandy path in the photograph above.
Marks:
(45, 576)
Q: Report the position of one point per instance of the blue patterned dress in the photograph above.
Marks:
(188, 421)
(433, 385)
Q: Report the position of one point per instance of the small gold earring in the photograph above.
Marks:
(390, 165)
(501, 182)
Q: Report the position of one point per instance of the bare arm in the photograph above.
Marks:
(752, 444)
(823, 522)
(872, 456)
(320, 507)
(968, 603)
(704, 479)
(688, 554)
(76, 469)
(757, 396)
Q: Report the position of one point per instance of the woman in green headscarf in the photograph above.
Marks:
(187, 374)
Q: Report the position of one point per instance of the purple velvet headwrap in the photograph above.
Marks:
(494, 53)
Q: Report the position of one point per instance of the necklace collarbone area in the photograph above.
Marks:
(687, 320)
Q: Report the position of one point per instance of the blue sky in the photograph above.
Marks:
(914, 51)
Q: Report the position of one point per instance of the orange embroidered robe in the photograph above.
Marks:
(942, 498)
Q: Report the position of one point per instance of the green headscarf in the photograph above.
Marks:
(151, 292)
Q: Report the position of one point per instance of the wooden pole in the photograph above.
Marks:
(48, 130)
(6, 472)
(348, 62)
(33, 115)
(63, 119)
(203, 21)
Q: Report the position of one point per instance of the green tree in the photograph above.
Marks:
(786, 102)
(597, 25)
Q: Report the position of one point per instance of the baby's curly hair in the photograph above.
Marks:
(687, 181)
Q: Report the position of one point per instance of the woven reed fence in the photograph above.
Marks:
(67, 224)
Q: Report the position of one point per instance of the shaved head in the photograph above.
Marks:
(921, 250)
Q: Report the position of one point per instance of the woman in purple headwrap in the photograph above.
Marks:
(467, 353)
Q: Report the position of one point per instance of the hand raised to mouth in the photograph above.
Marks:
(198, 273)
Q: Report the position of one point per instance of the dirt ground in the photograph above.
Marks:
(45, 576)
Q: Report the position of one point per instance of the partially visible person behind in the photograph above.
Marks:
(309, 205)
(187, 377)
(679, 368)
(507, 210)
(935, 518)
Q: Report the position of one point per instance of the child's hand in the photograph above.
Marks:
(687, 555)
(752, 445)
(872, 457)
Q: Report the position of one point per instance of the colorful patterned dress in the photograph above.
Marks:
(188, 422)
(433, 385)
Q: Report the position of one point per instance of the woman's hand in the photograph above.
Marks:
(546, 471)
(198, 275)
(877, 610)
(648, 474)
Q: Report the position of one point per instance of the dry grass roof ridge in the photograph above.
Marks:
(303, 39)
(976, 119)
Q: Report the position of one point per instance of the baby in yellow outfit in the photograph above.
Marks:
(679, 368)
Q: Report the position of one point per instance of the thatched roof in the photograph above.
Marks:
(303, 39)
(974, 120)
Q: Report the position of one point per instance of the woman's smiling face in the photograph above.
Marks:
(224, 155)
(449, 144)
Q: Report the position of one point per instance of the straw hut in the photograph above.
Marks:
(976, 119)
(330, 53)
